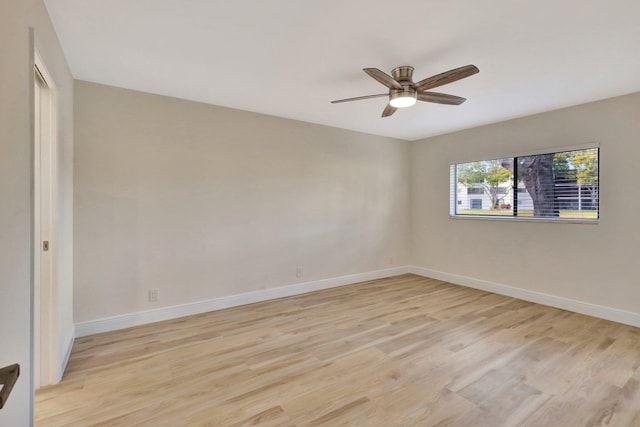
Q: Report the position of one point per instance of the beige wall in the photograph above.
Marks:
(590, 263)
(16, 145)
(203, 202)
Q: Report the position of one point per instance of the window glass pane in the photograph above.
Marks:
(558, 185)
(485, 187)
(562, 185)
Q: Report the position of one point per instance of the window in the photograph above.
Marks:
(558, 186)
(475, 204)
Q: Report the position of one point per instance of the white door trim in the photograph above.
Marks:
(45, 228)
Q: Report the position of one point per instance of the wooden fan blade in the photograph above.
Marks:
(388, 110)
(440, 98)
(358, 98)
(446, 77)
(383, 78)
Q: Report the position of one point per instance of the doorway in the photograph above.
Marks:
(44, 278)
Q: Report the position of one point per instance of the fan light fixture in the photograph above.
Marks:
(403, 92)
(402, 98)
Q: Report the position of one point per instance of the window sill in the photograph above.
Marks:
(527, 219)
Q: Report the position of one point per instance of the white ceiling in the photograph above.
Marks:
(290, 58)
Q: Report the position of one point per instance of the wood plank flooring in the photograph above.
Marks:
(402, 351)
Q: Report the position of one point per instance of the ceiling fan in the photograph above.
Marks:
(403, 92)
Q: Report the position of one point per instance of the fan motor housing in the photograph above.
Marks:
(403, 75)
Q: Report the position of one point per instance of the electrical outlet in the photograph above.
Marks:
(299, 272)
(153, 295)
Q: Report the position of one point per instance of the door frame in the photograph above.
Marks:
(45, 314)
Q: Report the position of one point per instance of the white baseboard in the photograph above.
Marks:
(149, 316)
(608, 313)
(143, 317)
(65, 359)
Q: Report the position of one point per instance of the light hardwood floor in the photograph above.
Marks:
(403, 351)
